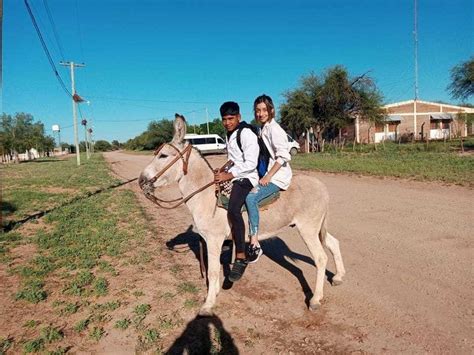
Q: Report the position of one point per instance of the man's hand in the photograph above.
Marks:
(222, 176)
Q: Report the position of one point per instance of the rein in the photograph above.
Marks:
(184, 155)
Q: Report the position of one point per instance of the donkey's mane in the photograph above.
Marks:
(203, 157)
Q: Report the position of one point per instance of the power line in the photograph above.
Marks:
(45, 48)
(156, 100)
(168, 117)
(79, 31)
(51, 21)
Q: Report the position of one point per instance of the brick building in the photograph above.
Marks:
(413, 119)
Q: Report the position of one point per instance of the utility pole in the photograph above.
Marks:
(415, 34)
(86, 140)
(91, 141)
(207, 120)
(72, 65)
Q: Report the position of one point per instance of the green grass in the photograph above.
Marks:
(187, 287)
(82, 325)
(419, 161)
(122, 323)
(96, 333)
(38, 185)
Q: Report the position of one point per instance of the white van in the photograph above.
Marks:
(207, 143)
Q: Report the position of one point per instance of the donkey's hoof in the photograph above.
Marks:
(336, 282)
(206, 312)
(314, 306)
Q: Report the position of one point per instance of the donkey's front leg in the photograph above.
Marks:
(214, 246)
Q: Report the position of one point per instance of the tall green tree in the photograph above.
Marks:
(330, 102)
(462, 80)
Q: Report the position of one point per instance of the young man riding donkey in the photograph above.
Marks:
(304, 205)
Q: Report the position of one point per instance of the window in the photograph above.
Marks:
(219, 140)
(445, 124)
(289, 138)
(211, 140)
(198, 141)
(379, 128)
(392, 127)
(434, 124)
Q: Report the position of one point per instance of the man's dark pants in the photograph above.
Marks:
(240, 190)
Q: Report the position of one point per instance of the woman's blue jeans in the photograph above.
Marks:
(252, 201)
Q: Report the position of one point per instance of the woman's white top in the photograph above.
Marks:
(276, 140)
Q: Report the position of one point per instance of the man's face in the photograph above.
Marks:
(230, 122)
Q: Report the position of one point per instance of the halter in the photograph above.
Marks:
(184, 155)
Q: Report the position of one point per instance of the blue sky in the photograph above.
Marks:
(146, 60)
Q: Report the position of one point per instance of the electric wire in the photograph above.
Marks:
(46, 50)
(53, 26)
(79, 32)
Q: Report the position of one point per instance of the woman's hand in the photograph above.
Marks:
(265, 180)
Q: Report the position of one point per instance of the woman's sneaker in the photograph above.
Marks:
(254, 252)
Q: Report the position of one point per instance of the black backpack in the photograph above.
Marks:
(263, 156)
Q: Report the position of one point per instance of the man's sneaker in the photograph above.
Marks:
(254, 253)
(238, 269)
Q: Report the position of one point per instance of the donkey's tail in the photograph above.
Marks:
(323, 231)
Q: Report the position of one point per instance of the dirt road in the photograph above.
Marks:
(408, 251)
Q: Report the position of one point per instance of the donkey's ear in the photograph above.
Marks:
(179, 129)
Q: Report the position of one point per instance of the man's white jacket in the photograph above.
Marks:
(245, 160)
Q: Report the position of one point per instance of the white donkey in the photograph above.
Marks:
(304, 205)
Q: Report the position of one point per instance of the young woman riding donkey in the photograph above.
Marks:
(307, 197)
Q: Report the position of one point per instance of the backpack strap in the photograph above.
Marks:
(239, 132)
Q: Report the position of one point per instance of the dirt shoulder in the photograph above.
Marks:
(407, 247)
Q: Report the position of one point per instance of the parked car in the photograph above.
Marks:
(293, 145)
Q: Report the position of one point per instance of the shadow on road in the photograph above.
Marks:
(277, 250)
(204, 335)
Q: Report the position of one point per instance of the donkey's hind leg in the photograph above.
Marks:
(333, 245)
(310, 236)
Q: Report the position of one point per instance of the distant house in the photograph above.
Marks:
(413, 119)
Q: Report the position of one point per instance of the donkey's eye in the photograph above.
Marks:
(163, 156)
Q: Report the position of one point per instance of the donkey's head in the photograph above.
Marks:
(170, 161)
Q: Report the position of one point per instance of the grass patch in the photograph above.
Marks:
(35, 186)
(32, 292)
(187, 287)
(51, 334)
(122, 324)
(33, 346)
(190, 304)
(82, 325)
(5, 344)
(96, 333)
(432, 162)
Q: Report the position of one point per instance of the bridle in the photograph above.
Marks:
(184, 156)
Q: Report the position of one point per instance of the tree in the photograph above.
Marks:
(215, 127)
(116, 145)
(20, 133)
(102, 146)
(297, 113)
(157, 133)
(462, 80)
(331, 102)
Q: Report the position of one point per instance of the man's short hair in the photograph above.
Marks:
(230, 108)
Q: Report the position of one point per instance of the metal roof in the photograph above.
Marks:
(441, 116)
